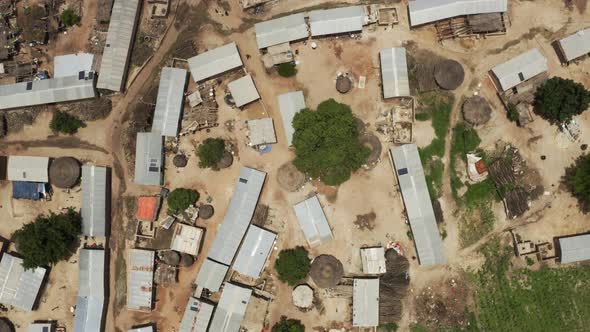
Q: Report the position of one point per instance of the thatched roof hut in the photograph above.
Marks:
(326, 271)
(226, 161)
(180, 161)
(170, 257)
(303, 296)
(186, 260)
(290, 178)
(343, 84)
(64, 172)
(449, 74)
(206, 211)
(393, 286)
(477, 110)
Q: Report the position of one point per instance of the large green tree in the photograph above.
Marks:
(558, 100)
(65, 123)
(293, 265)
(211, 152)
(578, 180)
(288, 325)
(48, 239)
(69, 18)
(327, 143)
(180, 199)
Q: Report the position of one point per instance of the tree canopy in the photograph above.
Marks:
(327, 143)
(69, 18)
(288, 325)
(48, 239)
(578, 180)
(65, 123)
(287, 69)
(211, 152)
(558, 100)
(293, 265)
(180, 199)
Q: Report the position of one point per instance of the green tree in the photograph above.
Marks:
(293, 265)
(557, 100)
(288, 325)
(180, 199)
(69, 18)
(65, 123)
(327, 143)
(577, 178)
(211, 152)
(48, 239)
(287, 69)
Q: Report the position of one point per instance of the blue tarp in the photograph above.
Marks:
(28, 190)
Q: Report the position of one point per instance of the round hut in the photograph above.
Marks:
(226, 161)
(449, 74)
(64, 172)
(170, 257)
(186, 260)
(326, 271)
(477, 111)
(180, 161)
(303, 296)
(206, 211)
(343, 83)
(6, 325)
(290, 178)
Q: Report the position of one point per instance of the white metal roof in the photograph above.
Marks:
(117, 50)
(410, 175)
(575, 248)
(313, 222)
(30, 169)
(140, 279)
(231, 308)
(262, 131)
(281, 30)
(290, 103)
(40, 327)
(394, 72)
(72, 64)
(337, 20)
(170, 101)
(576, 45)
(519, 69)
(197, 316)
(91, 290)
(186, 239)
(243, 90)
(94, 200)
(143, 329)
(211, 275)
(19, 287)
(365, 302)
(254, 252)
(148, 158)
(427, 11)
(215, 62)
(373, 260)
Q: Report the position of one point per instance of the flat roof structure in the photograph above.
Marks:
(231, 308)
(40, 327)
(149, 328)
(29, 169)
(313, 222)
(91, 291)
(140, 280)
(211, 275)
(72, 64)
(149, 155)
(186, 239)
(254, 252)
(365, 302)
(19, 287)
(95, 196)
(412, 183)
(215, 62)
(169, 101)
(394, 72)
(519, 69)
(197, 316)
(575, 45)
(117, 50)
(575, 248)
(290, 103)
(147, 208)
(373, 260)
(428, 11)
(262, 131)
(243, 90)
(281, 30)
(325, 22)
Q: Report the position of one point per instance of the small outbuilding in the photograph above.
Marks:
(365, 302)
(149, 156)
(477, 111)
(519, 69)
(373, 260)
(19, 287)
(64, 172)
(575, 45)
(197, 316)
(39, 327)
(449, 74)
(147, 208)
(261, 131)
(290, 103)
(186, 239)
(243, 91)
(574, 248)
(313, 222)
(29, 169)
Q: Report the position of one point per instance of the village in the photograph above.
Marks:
(291, 166)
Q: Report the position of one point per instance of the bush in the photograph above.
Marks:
(293, 265)
(288, 325)
(69, 18)
(577, 178)
(48, 239)
(512, 113)
(65, 123)
(180, 199)
(558, 100)
(388, 327)
(287, 69)
(211, 152)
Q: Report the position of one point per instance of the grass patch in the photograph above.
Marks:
(464, 140)
(475, 224)
(423, 116)
(480, 193)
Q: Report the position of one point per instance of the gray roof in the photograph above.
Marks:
(19, 287)
(394, 72)
(53, 90)
(30, 169)
(410, 175)
(91, 290)
(365, 302)
(313, 222)
(117, 50)
(149, 156)
(427, 11)
(40, 327)
(243, 90)
(140, 279)
(575, 248)
(337, 20)
(72, 64)
(238, 215)
(281, 30)
(94, 200)
(290, 103)
(262, 131)
(169, 101)
(519, 69)
(373, 260)
(231, 308)
(254, 252)
(196, 316)
(215, 62)
(211, 275)
(143, 329)
(575, 45)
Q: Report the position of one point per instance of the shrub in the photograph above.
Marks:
(65, 123)
(211, 152)
(293, 265)
(558, 100)
(69, 18)
(577, 178)
(512, 113)
(287, 69)
(180, 199)
(288, 325)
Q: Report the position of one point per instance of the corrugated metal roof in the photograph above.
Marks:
(410, 175)
(72, 64)
(94, 200)
(117, 50)
(254, 252)
(186, 239)
(238, 215)
(575, 248)
(211, 275)
(576, 45)
(231, 308)
(519, 69)
(197, 316)
(29, 169)
(313, 222)
(394, 72)
(281, 30)
(290, 103)
(215, 62)
(365, 302)
(262, 131)
(148, 158)
(53, 90)
(140, 279)
(143, 329)
(91, 290)
(40, 327)
(19, 287)
(169, 102)
(373, 260)
(243, 90)
(427, 11)
(337, 20)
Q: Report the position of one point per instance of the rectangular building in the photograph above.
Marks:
(262, 131)
(365, 302)
(325, 22)
(149, 328)
(575, 45)
(28, 169)
(243, 91)
(394, 72)
(290, 103)
(215, 62)
(313, 222)
(428, 11)
(169, 102)
(281, 30)
(72, 64)
(211, 275)
(40, 327)
(254, 252)
(197, 316)
(149, 159)
(574, 248)
(373, 260)
(140, 280)
(91, 291)
(19, 287)
(231, 308)
(186, 239)
(95, 197)
(519, 69)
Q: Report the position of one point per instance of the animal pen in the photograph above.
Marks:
(489, 24)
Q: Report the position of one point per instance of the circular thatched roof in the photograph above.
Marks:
(290, 178)
(303, 296)
(449, 74)
(226, 161)
(180, 160)
(186, 260)
(343, 84)
(476, 110)
(326, 271)
(206, 211)
(6, 325)
(64, 172)
(170, 257)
